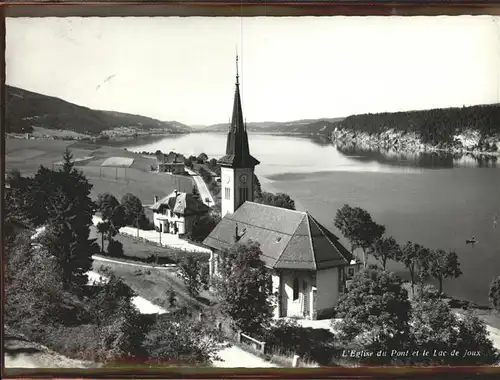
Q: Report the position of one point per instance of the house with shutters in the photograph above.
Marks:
(309, 266)
(171, 163)
(176, 212)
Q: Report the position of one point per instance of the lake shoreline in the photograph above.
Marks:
(466, 144)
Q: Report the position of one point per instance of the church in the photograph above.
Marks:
(310, 267)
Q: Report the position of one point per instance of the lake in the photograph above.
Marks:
(438, 201)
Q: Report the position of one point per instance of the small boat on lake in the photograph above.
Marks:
(471, 241)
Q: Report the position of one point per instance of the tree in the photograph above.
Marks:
(345, 223)
(106, 204)
(244, 288)
(441, 264)
(384, 249)
(201, 227)
(190, 267)
(172, 299)
(68, 163)
(61, 202)
(257, 189)
(112, 212)
(357, 226)
(367, 233)
(133, 209)
(375, 311)
(205, 175)
(177, 339)
(278, 200)
(18, 203)
(102, 228)
(473, 336)
(212, 163)
(33, 287)
(415, 259)
(59, 241)
(202, 158)
(124, 329)
(432, 325)
(108, 297)
(435, 327)
(494, 293)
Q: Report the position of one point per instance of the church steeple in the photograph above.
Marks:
(237, 74)
(237, 149)
(237, 166)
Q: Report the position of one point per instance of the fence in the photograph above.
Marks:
(254, 343)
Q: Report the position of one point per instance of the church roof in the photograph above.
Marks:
(181, 203)
(288, 239)
(237, 149)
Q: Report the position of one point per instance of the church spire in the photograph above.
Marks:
(237, 74)
(237, 149)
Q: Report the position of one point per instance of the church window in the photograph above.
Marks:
(243, 194)
(227, 193)
(295, 288)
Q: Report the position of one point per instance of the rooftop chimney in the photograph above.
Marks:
(155, 197)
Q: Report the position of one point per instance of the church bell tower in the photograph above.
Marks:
(237, 166)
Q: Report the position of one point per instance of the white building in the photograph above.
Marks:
(171, 163)
(309, 265)
(175, 213)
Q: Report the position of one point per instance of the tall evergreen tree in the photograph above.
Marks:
(62, 203)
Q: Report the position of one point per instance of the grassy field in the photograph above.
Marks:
(27, 156)
(143, 250)
(42, 132)
(154, 284)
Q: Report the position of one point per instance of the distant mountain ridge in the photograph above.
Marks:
(306, 126)
(26, 109)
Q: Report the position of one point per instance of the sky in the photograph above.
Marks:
(291, 68)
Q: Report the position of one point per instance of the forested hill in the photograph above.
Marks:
(26, 109)
(306, 126)
(433, 127)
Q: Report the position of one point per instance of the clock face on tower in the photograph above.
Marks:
(243, 178)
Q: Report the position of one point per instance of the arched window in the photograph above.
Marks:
(295, 288)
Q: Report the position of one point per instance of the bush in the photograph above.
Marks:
(115, 249)
(494, 294)
(82, 342)
(146, 224)
(310, 344)
(325, 313)
(138, 272)
(105, 270)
